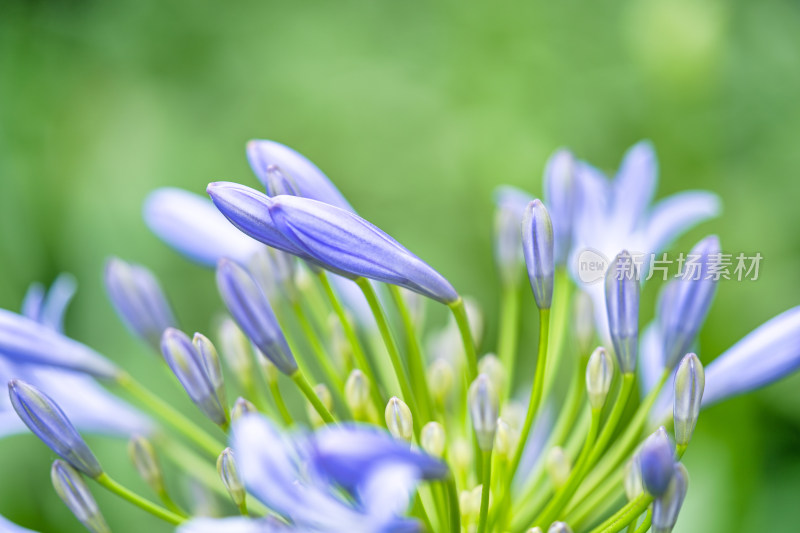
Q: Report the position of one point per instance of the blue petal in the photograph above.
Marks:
(10, 527)
(58, 298)
(676, 214)
(231, 525)
(635, 185)
(651, 358)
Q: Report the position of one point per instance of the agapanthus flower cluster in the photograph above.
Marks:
(399, 432)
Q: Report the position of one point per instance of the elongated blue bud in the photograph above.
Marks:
(278, 183)
(537, 246)
(484, 409)
(561, 196)
(27, 342)
(307, 179)
(689, 384)
(251, 310)
(229, 474)
(144, 459)
(190, 367)
(657, 463)
(599, 373)
(210, 359)
(48, 422)
(683, 315)
(74, 492)
(622, 306)
(667, 507)
(138, 299)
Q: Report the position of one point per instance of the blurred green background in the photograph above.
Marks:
(417, 110)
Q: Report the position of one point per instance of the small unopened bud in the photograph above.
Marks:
(537, 247)
(505, 439)
(599, 373)
(356, 394)
(507, 238)
(483, 408)
(622, 306)
(277, 182)
(324, 395)
(633, 479)
(74, 492)
(229, 474)
(513, 412)
(399, 419)
(558, 466)
(536, 529)
(242, 407)
(657, 462)
(689, 384)
(210, 358)
(667, 507)
(194, 373)
(440, 380)
(48, 422)
(432, 438)
(584, 322)
(491, 366)
(469, 512)
(460, 455)
(475, 500)
(559, 527)
(236, 351)
(144, 459)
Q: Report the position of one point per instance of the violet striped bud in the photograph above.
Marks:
(537, 247)
(195, 374)
(48, 422)
(75, 494)
(252, 311)
(657, 463)
(278, 183)
(667, 507)
(138, 299)
(143, 457)
(483, 406)
(599, 373)
(622, 305)
(399, 420)
(559, 527)
(689, 384)
(229, 474)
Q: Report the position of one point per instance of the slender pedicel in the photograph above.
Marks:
(622, 306)
(689, 384)
(323, 393)
(537, 246)
(74, 492)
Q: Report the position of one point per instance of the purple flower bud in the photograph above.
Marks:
(686, 305)
(138, 299)
(689, 384)
(657, 463)
(560, 196)
(278, 183)
(622, 307)
(537, 246)
(48, 422)
(196, 372)
(484, 409)
(74, 492)
(305, 177)
(668, 505)
(251, 310)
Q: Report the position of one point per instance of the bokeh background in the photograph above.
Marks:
(417, 110)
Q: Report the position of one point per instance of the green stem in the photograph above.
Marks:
(453, 506)
(305, 387)
(536, 391)
(416, 363)
(645, 525)
(152, 508)
(613, 418)
(486, 480)
(169, 415)
(170, 504)
(279, 403)
(509, 333)
(623, 517)
(323, 358)
(391, 347)
(460, 314)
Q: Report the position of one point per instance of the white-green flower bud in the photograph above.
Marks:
(237, 352)
(324, 395)
(513, 412)
(536, 529)
(633, 479)
(599, 373)
(483, 408)
(558, 466)
(356, 394)
(559, 527)
(144, 459)
(461, 455)
(432, 439)
(469, 512)
(229, 474)
(268, 368)
(399, 419)
(74, 492)
(242, 407)
(440, 380)
(584, 322)
(491, 366)
(689, 384)
(505, 439)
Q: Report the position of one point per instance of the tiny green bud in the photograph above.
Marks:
(559, 527)
(356, 394)
(633, 479)
(491, 366)
(399, 419)
(143, 456)
(483, 408)
(689, 384)
(440, 379)
(505, 439)
(229, 474)
(513, 412)
(584, 322)
(242, 407)
(599, 373)
(324, 395)
(74, 492)
(558, 466)
(237, 352)
(432, 438)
